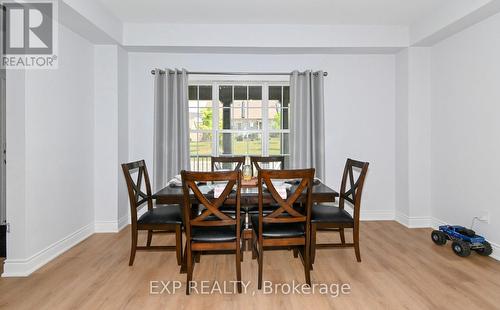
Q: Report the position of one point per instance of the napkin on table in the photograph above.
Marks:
(175, 181)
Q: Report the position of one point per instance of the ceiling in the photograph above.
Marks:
(320, 12)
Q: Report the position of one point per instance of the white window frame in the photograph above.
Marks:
(265, 131)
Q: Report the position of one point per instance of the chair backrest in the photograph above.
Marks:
(211, 216)
(352, 186)
(268, 162)
(136, 195)
(220, 163)
(286, 213)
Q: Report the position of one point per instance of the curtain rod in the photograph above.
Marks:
(239, 73)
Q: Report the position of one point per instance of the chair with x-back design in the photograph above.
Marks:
(226, 163)
(212, 229)
(287, 226)
(268, 162)
(157, 218)
(333, 218)
(265, 162)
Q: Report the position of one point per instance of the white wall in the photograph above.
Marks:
(16, 162)
(465, 127)
(419, 122)
(105, 137)
(111, 137)
(123, 135)
(158, 35)
(359, 107)
(402, 205)
(55, 150)
(413, 137)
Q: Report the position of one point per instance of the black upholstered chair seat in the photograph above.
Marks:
(162, 214)
(214, 233)
(330, 214)
(278, 230)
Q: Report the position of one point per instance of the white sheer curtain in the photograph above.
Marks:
(171, 126)
(307, 126)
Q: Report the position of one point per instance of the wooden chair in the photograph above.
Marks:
(268, 162)
(287, 226)
(325, 217)
(218, 162)
(157, 219)
(212, 229)
(218, 165)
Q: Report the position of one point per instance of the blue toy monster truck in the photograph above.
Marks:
(464, 240)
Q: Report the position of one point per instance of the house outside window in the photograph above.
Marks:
(238, 118)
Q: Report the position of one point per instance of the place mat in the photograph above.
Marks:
(249, 183)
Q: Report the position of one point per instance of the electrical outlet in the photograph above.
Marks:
(485, 217)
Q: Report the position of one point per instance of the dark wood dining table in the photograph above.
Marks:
(249, 195)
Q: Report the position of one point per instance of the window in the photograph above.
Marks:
(238, 119)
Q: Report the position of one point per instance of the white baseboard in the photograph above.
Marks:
(24, 267)
(413, 221)
(377, 215)
(496, 251)
(111, 226)
(123, 222)
(435, 223)
(373, 215)
(106, 226)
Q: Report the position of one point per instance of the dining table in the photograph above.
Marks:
(249, 194)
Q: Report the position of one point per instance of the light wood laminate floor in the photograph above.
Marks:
(401, 269)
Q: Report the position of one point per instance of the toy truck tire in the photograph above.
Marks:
(486, 250)
(438, 237)
(461, 248)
